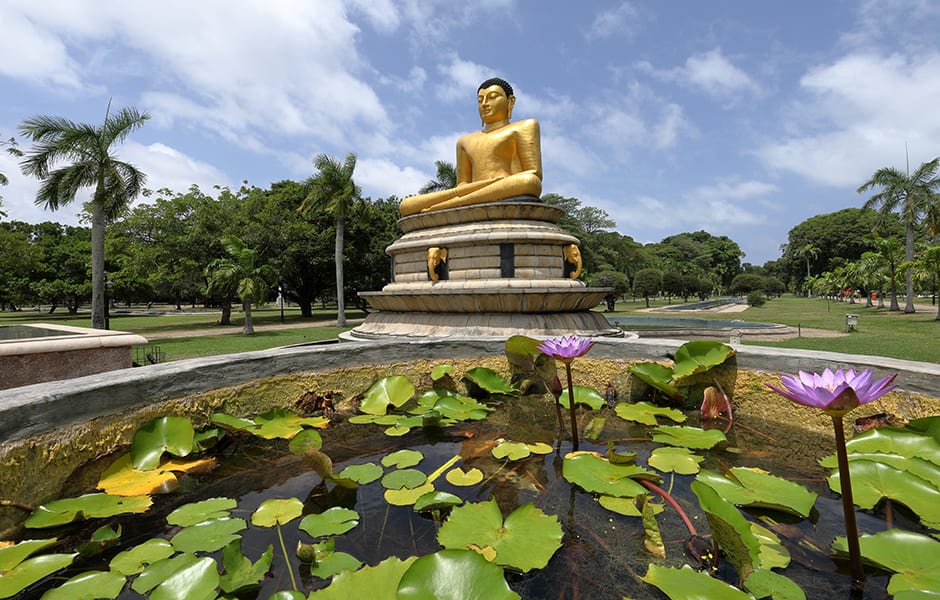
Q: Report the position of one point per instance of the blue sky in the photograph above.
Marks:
(742, 118)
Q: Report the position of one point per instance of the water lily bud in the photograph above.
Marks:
(306, 552)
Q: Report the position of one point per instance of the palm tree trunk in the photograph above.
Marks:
(249, 328)
(98, 308)
(340, 299)
(909, 256)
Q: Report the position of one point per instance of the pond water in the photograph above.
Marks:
(659, 322)
(25, 332)
(602, 556)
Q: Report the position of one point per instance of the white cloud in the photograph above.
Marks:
(461, 75)
(381, 14)
(620, 20)
(857, 115)
(34, 54)
(383, 178)
(710, 72)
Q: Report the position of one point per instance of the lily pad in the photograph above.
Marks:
(123, 479)
(646, 413)
(873, 481)
(511, 451)
(764, 583)
(394, 390)
(585, 396)
(330, 564)
(89, 506)
(10, 556)
(489, 381)
(462, 478)
(688, 437)
(164, 434)
(891, 440)
(439, 371)
(90, 584)
(376, 583)
(333, 521)
(29, 571)
(596, 474)
(241, 574)
(103, 538)
(526, 540)
(208, 536)
(627, 506)
(362, 474)
(275, 423)
(685, 583)
(402, 459)
(437, 500)
(912, 556)
(656, 375)
(135, 560)
(699, 356)
(403, 479)
(308, 438)
(753, 487)
(196, 581)
(195, 512)
(675, 460)
(454, 574)
(277, 511)
(731, 530)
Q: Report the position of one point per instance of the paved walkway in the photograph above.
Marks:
(184, 333)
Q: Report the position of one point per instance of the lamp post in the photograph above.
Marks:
(280, 299)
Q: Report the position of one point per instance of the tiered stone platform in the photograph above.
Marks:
(505, 274)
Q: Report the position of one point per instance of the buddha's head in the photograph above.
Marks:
(495, 100)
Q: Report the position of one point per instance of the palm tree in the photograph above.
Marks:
(807, 251)
(333, 190)
(92, 164)
(892, 255)
(240, 274)
(446, 178)
(912, 193)
(12, 150)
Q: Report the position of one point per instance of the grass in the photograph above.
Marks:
(880, 332)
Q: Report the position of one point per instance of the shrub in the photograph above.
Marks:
(756, 298)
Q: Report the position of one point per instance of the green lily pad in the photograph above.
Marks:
(456, 407)
(89, 506)
(917, 467)
(195, 512)
(103, 538)
(699, 356)
(646, 413)
(872, 481)
(891, 440)
(27, 572)
(437, 500)
(159, 571)
(627, 506)
(585, 396)
(90, 584)
(135, 560)
(333, 521)
(912, 556)
(656, 375)
(521, 351)
(362, 474)
(394, 390)
(462, 478)
(403, 479)
(526, 540)
(376, 583)
(688, 437)
(208, 536)
(596, 474)
(275, 423)
(511, 451)
(307, 438)
(729, 527)
(753, 487)
(454, 574)
(407, 497)
(402, 459)
(685, 583)
(333, 563)
(764, 583)
(489, 381)
(164, 434)
(277, 511)
(10, 556)
(675, 460)
(195, 581)
(772, 555)
(439, 371)
(926, 425)
(241, 574)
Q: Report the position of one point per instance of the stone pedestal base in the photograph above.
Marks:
(505, 273)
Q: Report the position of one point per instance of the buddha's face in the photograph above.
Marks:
(493, 104)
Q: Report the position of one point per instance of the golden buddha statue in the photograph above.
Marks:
(502, 160)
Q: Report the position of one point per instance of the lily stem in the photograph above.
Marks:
(290, 570)
(574, 418)
(848, 504)
(672, 501)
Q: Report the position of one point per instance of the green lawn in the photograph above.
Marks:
(880, 332)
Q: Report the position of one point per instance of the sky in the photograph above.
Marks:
(738, 117)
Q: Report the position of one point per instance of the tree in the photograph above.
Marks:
(648, 282)
(747, 282)
(88, 149)
(912, 194)
(807, 251)
(446, 178)
(333, 188)
(892, 254)
(12, 150)
(240, 274)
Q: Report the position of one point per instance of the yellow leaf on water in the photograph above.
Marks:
(122, 479)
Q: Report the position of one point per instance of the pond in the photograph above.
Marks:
(601, 555)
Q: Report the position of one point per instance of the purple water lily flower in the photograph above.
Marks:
(835, 392)
(566, 348)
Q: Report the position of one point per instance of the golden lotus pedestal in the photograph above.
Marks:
(505, 274)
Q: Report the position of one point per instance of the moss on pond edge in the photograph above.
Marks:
(38, 469)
